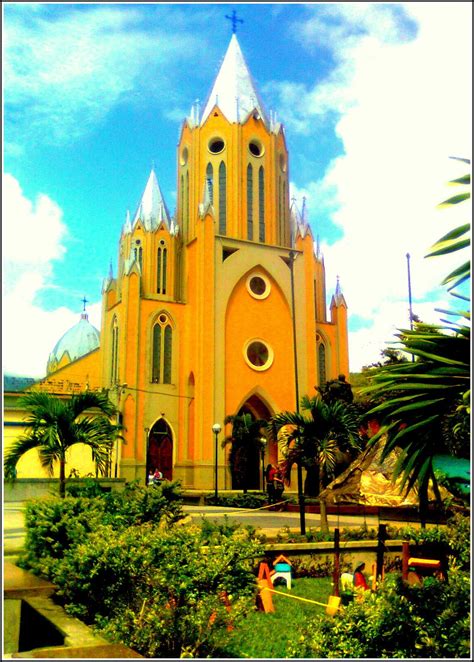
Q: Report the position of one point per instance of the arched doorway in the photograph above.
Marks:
(160, 449)
(253, 460)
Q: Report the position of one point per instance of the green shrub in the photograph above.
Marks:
(160, 590)
(55, 525)
(89, 487)
(398, 621)
(248, 500)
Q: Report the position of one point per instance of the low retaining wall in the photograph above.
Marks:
(352, 552)
(23, 489)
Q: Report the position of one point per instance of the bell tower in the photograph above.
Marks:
(233, 157)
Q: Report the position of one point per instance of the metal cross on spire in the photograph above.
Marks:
(234, 20)
(84, 301)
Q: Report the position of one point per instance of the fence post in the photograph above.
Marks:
(337, 570)
(405, 557)
(381, 538)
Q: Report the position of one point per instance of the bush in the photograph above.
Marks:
(161, 591)
(398, 621)
(248, 500)
(55, 525)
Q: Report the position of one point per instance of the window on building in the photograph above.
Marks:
(322, 364)
(162, 351)
(249, 202)
(261, 204)
(114, 353)
(161, 264)
(222, 198)
(186, 199)
(210, 182)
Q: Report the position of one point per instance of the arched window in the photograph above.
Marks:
(210, 181)
(261, 204)
(322, 364)
(222, 198)
(161, 263)
(114, 353)
(162, 351)
(249, 202)
(181, 196)
(138, 254)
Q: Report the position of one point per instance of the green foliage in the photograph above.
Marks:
(454, 539)
(160, 590)
(417, 398)
(249, 500)
(53, 526)
(398, 621)
(89, 488)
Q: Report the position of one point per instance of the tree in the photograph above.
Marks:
(316, 441)
(54, 425)
(336, 389)
(246, 444)
(420, 396)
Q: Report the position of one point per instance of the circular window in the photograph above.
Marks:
(258, 355)
(184, 156)
(258, 286)
(282, 163)
(255, 148)
(216, 145)
(163, 319)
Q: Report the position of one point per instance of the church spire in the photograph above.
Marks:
(234, 90)
(152, 209)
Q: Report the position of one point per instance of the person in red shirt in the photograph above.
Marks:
(359, 578)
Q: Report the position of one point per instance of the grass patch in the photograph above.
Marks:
(264, 635)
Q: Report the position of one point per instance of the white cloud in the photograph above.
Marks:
(404, 109)
(63, 74)
(29, 332)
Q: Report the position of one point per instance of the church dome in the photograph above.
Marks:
(81, 339)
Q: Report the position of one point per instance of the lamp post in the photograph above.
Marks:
(292, 256)
(263, 443)
(216, 428)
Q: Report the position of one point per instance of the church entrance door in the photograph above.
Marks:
(252, 455)
(160, 450)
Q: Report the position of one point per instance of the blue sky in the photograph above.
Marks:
(374, 99)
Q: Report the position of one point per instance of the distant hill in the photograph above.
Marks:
(16, 384)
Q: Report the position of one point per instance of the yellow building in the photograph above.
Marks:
(198, 322)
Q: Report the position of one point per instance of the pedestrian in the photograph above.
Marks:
(269, 474)
(157, 476)
(278, 486)
(150, 478)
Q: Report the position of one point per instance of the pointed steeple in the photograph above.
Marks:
(234, 90)
(127, 227)
(152, 209)
(338, 297)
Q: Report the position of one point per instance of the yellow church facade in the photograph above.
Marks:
(206, 308)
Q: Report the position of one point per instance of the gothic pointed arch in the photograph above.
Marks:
(160, 449)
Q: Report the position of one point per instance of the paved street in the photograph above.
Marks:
(271, 522)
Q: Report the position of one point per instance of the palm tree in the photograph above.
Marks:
(317, 441)
(419, 397)
(246, 443)
(54, 425)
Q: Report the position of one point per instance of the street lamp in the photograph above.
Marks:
(263, 443)
(216, 428)
(292, 257)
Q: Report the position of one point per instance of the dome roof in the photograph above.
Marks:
(81, 339)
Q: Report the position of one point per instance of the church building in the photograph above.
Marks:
(210, 309)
